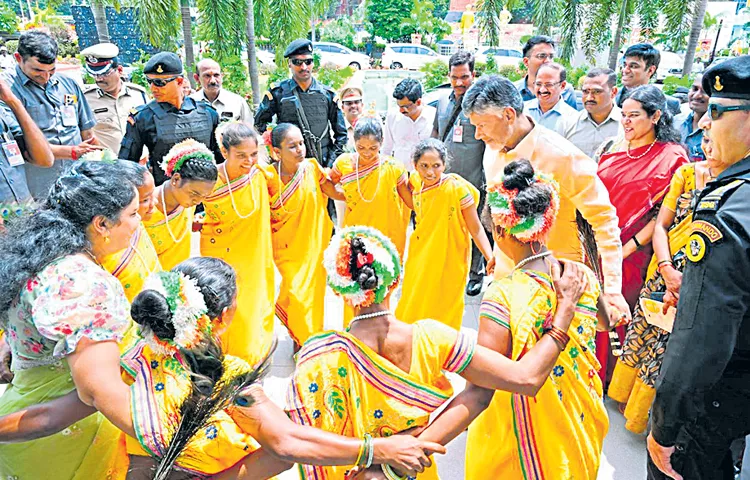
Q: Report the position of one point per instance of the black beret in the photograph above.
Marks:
(729, 79)
(164, 63)
(300, 46)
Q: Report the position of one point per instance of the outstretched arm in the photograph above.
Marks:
(43, 419)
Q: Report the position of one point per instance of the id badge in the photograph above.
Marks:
(69, 117)
(13, 153)
(458, 133)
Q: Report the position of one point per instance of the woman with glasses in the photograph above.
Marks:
(637, 170)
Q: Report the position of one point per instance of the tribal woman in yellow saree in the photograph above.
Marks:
(557, 432)
(237, 229)
(384, 376)
(192, 173)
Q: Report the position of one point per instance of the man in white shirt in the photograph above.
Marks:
(549, 107)
(229, 105)
(600, 119)
(405, 128)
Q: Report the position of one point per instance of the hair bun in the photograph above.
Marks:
(518, 175)
(150, 309)
(367, 278)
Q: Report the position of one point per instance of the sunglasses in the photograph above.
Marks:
(298, 62)
(161, 82)
(715, 111)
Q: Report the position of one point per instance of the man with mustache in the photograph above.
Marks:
(548, 107)
(110, 97)
(687, 123)
(703, 391)
(600, 119)
(228, 105)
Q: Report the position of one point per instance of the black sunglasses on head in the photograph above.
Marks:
(715, 111)
(297, 62)
(161, 82)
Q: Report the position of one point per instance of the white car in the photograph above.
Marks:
(670, 66)
(408, 56)
(341, 56)
(265, 57)
(503, 55)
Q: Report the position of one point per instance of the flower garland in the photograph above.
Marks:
(526, 229)
(379, 253)
(189, 149)
(188, 309)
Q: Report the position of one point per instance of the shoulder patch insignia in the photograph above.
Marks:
(707, 205)
(712, 233)
(133, 111)
(696, 248)
(268, 95)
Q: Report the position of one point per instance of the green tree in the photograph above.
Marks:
(159, 22)
(489, 13)
(8, 19)
(422, 20)
(340, 30)
(385, 17)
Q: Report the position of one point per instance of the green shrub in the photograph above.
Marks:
(671, 83)
(136, 75)
(333, 76)
(510, 72)
(436, 74)
(575, 75)
(12, 46)
(276, 75)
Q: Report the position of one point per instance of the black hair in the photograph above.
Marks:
(365, 276)
(555, 66)
(409, 88)
(216, 280)
(135, 172)
(36, 43)
(196, 169)
(430, 144)
(532, 199)
(652, 99)
(611, 75)
(58, 227)
(279, 133)
(368, 127)
(234, 133)
(462, 57)
(536, 40)
(645, 52)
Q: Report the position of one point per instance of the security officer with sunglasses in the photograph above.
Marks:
(169, 118)
(702, 398)
(307, 103)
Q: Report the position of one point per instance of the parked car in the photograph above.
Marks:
(341, 56)
(265, 57)
(670, 66)
(503, 55)
(408, 56)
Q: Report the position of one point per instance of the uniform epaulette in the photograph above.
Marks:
(89, 87)
(713, 200)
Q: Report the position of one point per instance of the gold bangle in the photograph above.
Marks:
(391, 475)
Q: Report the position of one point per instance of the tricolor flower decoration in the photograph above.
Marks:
(529, 228)
(380, 253)
(188, 309)
(189, 149)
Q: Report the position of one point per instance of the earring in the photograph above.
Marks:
(106, 239)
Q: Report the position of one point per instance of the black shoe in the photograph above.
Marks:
(474, 288)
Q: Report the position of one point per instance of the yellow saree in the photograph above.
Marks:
(557, 434)
(371, 196)
(439, 252)
(300, 207)
(170, 234)
(636, 371)
(133, 265)
(343, 386)
(237, 229)
(159, 384)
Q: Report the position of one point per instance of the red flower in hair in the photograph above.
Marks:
(363, 260)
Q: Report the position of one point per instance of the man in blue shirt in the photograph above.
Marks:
(687, 123)
(548, 107)
(21, 141)
(57, 105)
(539, 50)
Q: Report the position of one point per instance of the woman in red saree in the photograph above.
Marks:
(637, 170)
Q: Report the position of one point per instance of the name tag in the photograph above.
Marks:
(458, 133)
(69, 117)
(101, 110)
(11, 150)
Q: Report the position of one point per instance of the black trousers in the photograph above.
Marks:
(703, 446)
(477, 259)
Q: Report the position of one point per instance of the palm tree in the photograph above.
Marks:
(158, 21)
(187, 34)
(695, 33)
(489, 13)
(99, 9)
(252, 61)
